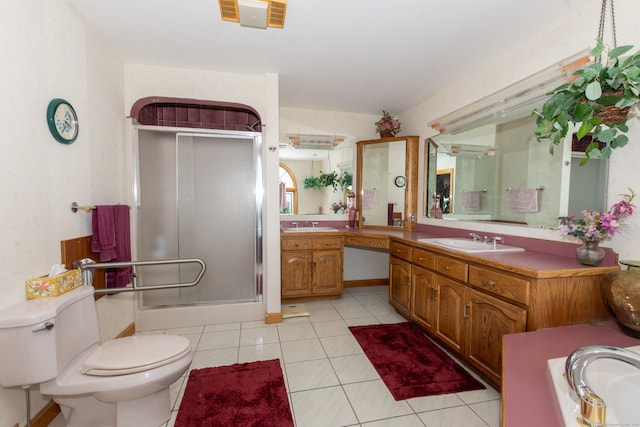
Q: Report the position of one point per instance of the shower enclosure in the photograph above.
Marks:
(198, 195)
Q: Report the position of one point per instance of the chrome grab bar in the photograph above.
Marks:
(88, 264)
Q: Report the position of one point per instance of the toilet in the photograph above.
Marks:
(55, 343)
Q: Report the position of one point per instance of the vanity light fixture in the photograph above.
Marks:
(516, 100)
(254, 13)
(315, 142)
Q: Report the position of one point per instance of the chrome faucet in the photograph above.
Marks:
(592, 407)
(314, 223)
(495, 240)
(475, 237)
(295, 223)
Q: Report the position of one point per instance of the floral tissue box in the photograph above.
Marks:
(44, 287)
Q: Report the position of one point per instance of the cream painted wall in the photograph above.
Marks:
(49, 53)
(550, 46)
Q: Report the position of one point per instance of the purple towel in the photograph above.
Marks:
(112, 239)
(104, 233)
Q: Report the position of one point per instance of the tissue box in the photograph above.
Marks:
(44, 287)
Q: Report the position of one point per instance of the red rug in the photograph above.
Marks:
(240, 395)
(409, 363)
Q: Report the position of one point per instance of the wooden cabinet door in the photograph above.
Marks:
(327, 272)
(424, 299)
(296, 273)
(451, 300)
(489, 319)
(400, 285)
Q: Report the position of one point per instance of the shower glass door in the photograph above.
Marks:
(198, 199)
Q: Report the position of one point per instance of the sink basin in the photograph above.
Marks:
(309, 229)
(470, 246)
(616, 382)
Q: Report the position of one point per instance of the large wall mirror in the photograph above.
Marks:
(500, 172)
(301, 163)
(387, 184)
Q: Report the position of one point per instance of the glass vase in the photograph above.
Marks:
(621, 295)
(590, 253)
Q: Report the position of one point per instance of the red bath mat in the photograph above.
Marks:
(409, 363)
(241, 395)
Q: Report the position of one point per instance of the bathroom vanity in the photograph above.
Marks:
(466, 301)
(311, 264)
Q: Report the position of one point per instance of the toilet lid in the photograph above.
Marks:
(133, 354)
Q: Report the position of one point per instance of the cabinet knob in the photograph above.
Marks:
(296, 244)
(491, 283)
(446, 267)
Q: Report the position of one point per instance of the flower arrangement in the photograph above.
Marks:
(388, 123)
(337, 206)
(598, 226)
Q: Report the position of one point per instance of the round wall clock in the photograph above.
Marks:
(400, 181)
(62, 121)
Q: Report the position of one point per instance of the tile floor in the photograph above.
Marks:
(329, 380)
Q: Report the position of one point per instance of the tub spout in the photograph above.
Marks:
(592, 407)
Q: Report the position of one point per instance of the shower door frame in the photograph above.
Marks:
(258, 196)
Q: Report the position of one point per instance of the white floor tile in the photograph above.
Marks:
(452, 417)
(258, 336)
(331, 328)
(259, 352)
(211, 358)
(302, 350)
(343, 345)
(355, 368)
(298, 331)
(430, 403)
(489, 411)
(310, 375)
(371, 400)
(325, 407)
(405, 421)
(222, 339)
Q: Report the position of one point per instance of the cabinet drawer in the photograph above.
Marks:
(504, 285)
(400, 251)
(326, 243)
(422, 258)
(367, 242)
(295, 244)
(451, 267)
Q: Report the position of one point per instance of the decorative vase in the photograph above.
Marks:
(386, 133)
(590, 253)
(351, 209)
(621, 295)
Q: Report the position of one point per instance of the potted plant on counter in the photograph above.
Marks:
(597, 102)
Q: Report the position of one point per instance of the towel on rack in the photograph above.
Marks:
(470, 200)
(112, 239)
(368, 198)
(523, 199)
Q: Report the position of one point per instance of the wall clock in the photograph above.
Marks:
(63, 121)
(400, 181)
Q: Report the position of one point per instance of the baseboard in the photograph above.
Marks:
(51, 409)
(366, 282)
(128, 331)
(273, 318)
(46, 415)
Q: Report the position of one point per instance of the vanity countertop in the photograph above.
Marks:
(541, 259)
(527, 393)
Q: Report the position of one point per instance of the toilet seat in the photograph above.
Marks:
(134, 354)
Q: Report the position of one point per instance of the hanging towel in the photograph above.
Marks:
(104, 233)
(523, 199)
(112, 239)
(368, 198)
(470, 200)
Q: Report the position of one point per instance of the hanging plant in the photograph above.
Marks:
(597, 102)
(331, 179)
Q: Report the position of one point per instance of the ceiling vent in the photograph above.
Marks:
(254, 13)
(315, 142)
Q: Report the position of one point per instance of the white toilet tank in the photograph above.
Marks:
(39, 337)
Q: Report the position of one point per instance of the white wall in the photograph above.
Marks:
(550, 46)
(49, 52)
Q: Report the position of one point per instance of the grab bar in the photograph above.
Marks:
(89, 264)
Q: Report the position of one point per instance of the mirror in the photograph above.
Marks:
(386, 189)
(499, 172)
(300, 165)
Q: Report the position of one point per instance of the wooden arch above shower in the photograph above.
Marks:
(195, 113)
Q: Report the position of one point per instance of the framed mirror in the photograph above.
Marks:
(387, 182)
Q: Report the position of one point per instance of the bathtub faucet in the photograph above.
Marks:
(592, 407)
